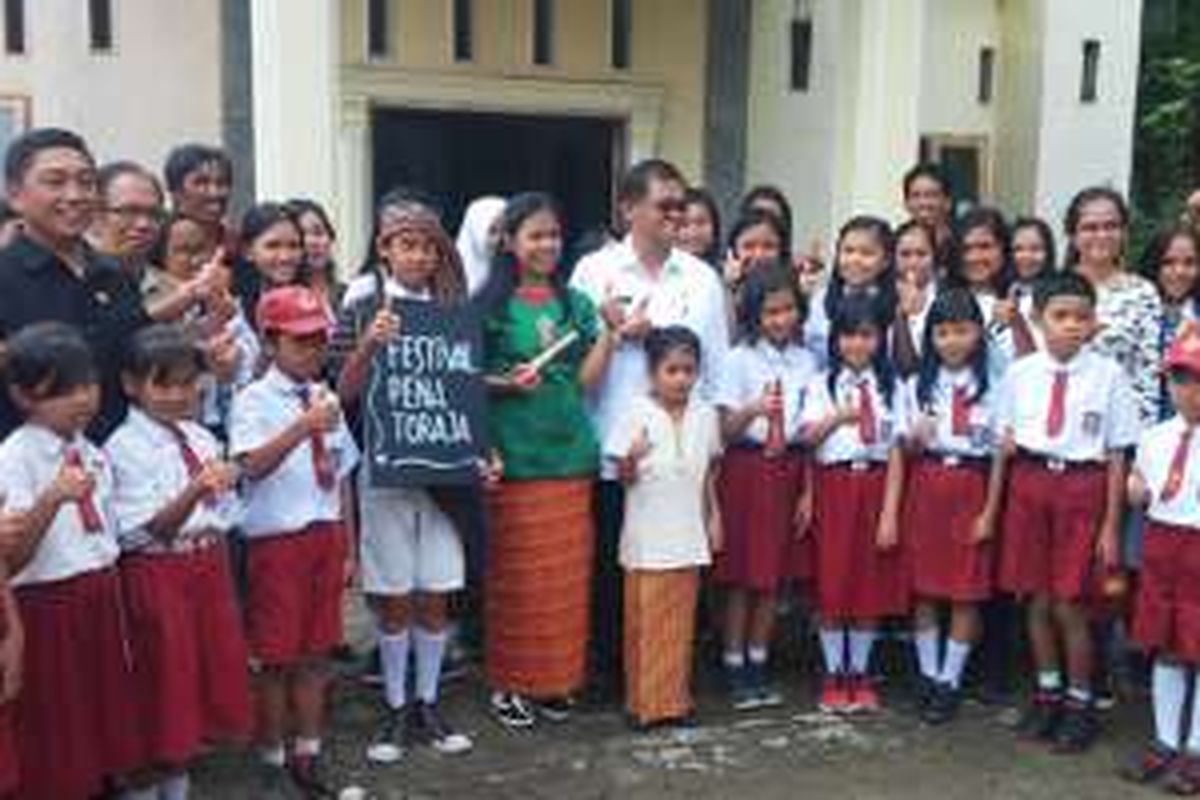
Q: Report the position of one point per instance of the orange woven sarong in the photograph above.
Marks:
(538, 587)
(660, 629)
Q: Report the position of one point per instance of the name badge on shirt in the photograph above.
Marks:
(1092, 421)
(980, 437)
(885, 430)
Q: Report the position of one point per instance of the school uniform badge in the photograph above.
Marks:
(1092, 422)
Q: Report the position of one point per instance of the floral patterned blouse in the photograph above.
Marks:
(1129, 313)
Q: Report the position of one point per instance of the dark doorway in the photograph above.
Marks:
(460, 156)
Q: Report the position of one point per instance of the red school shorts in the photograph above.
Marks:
(294, 598)
(758, 501)
(941, 504)
(1167, 612)
(75, 716)
(189, 652)
(855, 579)
(1051, 519)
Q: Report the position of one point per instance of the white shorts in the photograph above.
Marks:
(407, 544)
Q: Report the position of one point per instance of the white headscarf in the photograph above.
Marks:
(472, 240)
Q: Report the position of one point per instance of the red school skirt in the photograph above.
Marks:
(9, 772)
(942, 501)
(189, 653)
(294, 598)
(758, 501)
(1167, 611)
(1051, 519)
(74, 718)
(855, 579)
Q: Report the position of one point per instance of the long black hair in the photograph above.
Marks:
(883, 290)
(991, 220)
(955, 304)
(504, 273)
(1152, 257)
(760, 216)
(856, 313)
(1045, 234)
(775, 196)
(697, 196)
(1082, 199)
(247, 281)
(764, 280)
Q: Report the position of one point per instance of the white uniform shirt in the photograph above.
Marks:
(816, 327)
(685, 292)
(30, 460)
(1101, 410)
(1156, 452)
(980, 437)
(750, 368)
(845, 443)
(151, 473)
(664, 509)
(289, 498)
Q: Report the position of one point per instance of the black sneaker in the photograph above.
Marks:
(765, 695)
(388, 744)
(556, 709)
(310, 776)
(275, 783)
(1078, 728)
(743, 694)
(427, 726)
(1040, 720)
(513, 711)
(942, 705)
(924, 690)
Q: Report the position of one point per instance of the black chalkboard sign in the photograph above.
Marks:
(425, 409)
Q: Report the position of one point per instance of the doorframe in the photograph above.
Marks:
(637, 108)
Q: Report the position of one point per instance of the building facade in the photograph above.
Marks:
(1023, 100)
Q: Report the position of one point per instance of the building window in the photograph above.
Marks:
(377, 28)
(463, 27)
(987, 74)
(14, 26)
(801, 66)
(100, 25)
(622, 33)
(543, 32)
(1089, 85)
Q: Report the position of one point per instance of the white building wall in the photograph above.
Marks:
(791, 134)
(161, 84)
(955, 32)
(1018, 104)
(1081, 144)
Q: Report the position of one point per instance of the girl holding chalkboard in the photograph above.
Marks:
(545, 350)
(411, 554)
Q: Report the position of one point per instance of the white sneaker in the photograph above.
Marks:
(513, 711)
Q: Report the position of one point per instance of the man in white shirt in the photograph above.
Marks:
(640, 283)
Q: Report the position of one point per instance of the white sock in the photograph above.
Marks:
(833, 645)
(1193, 740)
(147, 793)
(305, 746)
(430, 647)
(393, 654)
(734, 659)
(1168, 693)
(273, 755)
(175, 787)
(927, 651)
(956, 659)
(757, 656)
(861, 642)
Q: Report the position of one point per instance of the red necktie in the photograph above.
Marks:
(322, 463)
(88, 513)
(960, 412)
(1178, 465)
(191, 459)
(868, 428)
(1057, 415)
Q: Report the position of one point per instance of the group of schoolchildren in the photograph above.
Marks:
(899, 439)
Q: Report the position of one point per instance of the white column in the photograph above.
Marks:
(352, 205)
(883, 90)
(294, 62)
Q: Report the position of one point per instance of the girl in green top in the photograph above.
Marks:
(546, 347)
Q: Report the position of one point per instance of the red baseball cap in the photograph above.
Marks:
(293, 310)
(1184, 352)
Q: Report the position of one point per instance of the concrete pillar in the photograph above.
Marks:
(726, 112)
(352, 203)
(295, 61)
(237, 114)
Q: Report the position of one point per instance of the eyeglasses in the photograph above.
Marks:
(132, 213)
(671, 205)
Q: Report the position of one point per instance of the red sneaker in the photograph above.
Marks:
(863, 696)
(835, 697)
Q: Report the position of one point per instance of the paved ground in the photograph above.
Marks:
(787, 753)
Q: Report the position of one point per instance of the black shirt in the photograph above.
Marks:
(36, 286)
